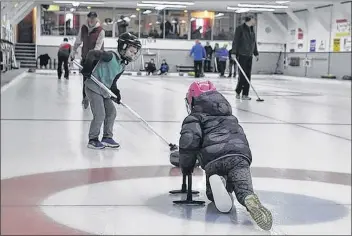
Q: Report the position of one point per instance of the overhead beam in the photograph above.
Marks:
(23, 12)
(274, 18)
(320, 19)
(300, 23)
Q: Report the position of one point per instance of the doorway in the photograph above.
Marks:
(25, 29)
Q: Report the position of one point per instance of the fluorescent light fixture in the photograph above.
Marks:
(262, 6)
(147, 12)
(169, 3)
(282, 2)
(159, 6)
(219, 15)
(75, 2)
(241, 9)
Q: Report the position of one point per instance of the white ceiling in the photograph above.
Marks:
(222, 4)
(214, 5)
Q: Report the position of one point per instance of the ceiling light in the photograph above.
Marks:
(171, 3)
(73, 2)
(219, 14)
(159, 6)
(282, 2)
(261, 6)
(237, 9)
(185, 11)
(147, 12)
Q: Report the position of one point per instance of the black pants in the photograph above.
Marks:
(222, 67)
(236, 170)
(84, 80)
(62, 60)
(233, 66)
(242, 84)
(207, 67)
(198, 68)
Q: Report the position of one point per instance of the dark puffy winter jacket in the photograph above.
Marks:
(244, 42)
(211, 132)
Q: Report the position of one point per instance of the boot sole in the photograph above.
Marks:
(222, 199)
(260, 214)
(93, 147)
(110, 145)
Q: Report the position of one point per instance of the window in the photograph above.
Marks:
(224, 26)
(126, 20)
(151, 23)
(201, 24)
(52, 20)
(105, 16)
(176, 24)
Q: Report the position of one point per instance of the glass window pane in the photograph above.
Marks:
(126, 20)
(201, 24)
(176, 24)
(224, 26)
(52, 20)
(105, 16)
(151, 23)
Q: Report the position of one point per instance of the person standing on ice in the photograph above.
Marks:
(107, 67)
(212, 135)
(244, 46)
(63, 55)
(92, 36)
(198, 53)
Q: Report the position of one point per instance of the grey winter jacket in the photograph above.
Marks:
(244, 43)
(211, 132)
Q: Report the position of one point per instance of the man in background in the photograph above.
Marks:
(198, 53)
(209, 53)
(244, 46)
(92, 36)
(63, 54)
(232, 65)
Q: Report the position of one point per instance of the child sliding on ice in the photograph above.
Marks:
(107, 67)
(212, 134)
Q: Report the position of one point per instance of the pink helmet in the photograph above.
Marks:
(196, 89)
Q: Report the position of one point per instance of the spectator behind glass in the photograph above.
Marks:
(164, 68)
(150, 67)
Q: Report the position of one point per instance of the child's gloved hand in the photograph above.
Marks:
(118, 96)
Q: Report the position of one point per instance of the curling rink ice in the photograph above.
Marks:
(51, 183)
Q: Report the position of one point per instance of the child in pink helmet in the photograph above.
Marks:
(211, 134)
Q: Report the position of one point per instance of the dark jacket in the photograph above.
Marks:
(211, 132)
(208, 51)
(244, 42)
